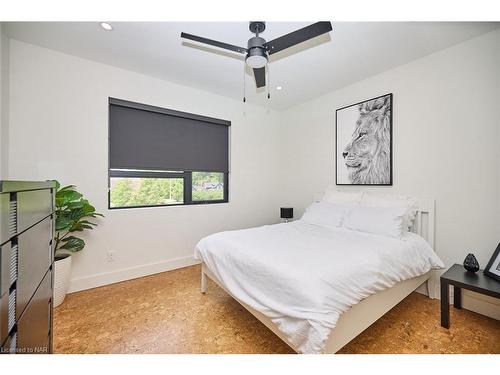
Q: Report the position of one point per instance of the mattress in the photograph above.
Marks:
(304, 276)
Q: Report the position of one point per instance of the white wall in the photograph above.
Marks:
(58, 129)
(446, 142)
(4, 100)
(446, 136)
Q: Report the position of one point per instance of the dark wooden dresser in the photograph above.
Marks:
(26, 232)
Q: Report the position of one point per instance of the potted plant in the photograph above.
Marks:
(73, 212)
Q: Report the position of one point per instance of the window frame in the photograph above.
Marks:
(185, 175)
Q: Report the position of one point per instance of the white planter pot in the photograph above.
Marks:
(62, 273)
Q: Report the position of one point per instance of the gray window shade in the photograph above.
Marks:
(161, 139)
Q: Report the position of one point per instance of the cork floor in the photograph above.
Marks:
(166, 313)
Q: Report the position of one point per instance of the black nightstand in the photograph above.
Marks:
(460, 278)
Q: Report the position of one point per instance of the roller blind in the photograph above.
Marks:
(153, 138)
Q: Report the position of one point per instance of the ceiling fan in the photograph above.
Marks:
(258, 50)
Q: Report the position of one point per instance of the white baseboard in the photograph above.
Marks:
(422, 289)
(480, 303)
(100, 279)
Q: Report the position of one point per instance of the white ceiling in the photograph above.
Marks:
(351, 52)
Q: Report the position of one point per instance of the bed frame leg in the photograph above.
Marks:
(431, 286)
(203, 286)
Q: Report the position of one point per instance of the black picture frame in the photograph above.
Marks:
(487, 270)
(341, 147)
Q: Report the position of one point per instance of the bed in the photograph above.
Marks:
(267, 270)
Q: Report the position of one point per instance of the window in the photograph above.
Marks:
(207, 186)
(146, 191)
(160, 157)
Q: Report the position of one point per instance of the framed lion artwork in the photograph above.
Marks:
(363, 134)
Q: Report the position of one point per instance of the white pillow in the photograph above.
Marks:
(340, 197)
(410, 204)
(325, 214)
(386, 221)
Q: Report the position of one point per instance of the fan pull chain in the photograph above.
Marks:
(244, 88)
(268, 82)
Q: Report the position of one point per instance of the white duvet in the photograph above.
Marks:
(305, 276)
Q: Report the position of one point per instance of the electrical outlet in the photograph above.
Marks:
(110, 256)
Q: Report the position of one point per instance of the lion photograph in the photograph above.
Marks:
(363, 143)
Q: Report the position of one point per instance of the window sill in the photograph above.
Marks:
(201, 203)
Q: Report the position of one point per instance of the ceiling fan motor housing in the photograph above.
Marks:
(256, 42)
(257, 55)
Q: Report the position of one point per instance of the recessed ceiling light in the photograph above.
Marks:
(279, 88)
(106, 26)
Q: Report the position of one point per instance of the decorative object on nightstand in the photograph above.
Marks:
(493, 267)
(461, 279)
(471, 264)
(286, 213)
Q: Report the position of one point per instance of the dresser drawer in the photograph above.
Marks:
(34, 259)
(33, 328)
(32, 206)
(10, 345)
(4, 317)
(7, 314)
(4, 217)
(5, 268)
(8, 265)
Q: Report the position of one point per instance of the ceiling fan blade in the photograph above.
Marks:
(298, 36)
(214, 43)
(260, 76)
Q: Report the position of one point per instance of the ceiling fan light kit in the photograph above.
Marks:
(258, 50)
(257, 56)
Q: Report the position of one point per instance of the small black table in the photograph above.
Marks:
(460, 278)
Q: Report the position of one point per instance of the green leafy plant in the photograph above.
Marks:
(73, 212)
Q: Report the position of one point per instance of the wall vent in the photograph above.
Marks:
(12, 309)
(13, 218)
(13, 263)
